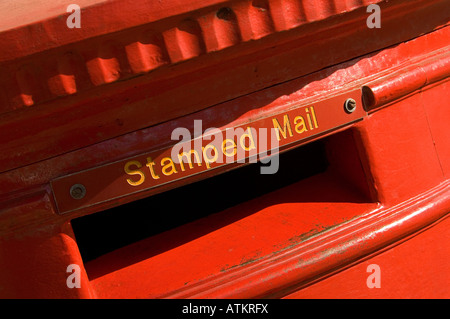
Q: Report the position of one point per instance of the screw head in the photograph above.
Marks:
(77, 191)
(350, 105)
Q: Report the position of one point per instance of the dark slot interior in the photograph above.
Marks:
(102, 232)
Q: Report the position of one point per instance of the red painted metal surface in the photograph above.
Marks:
(414, 269)
(77, 104)
(324, 116)
(174, 87)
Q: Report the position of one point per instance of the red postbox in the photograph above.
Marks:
(100, 197)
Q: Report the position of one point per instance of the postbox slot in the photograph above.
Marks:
(226, 221)
(108, 230)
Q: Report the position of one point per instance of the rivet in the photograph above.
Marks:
(350, 105)
(78, 191)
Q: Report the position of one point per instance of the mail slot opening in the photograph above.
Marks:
(108, 230)
(226, 221)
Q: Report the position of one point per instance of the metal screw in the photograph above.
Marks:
(77, 191)
(350, 105)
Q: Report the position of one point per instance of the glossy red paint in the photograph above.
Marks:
(104, 78)
(414, 269)
(107, 183)
(412, 77)
(36, 250)
(74, 100)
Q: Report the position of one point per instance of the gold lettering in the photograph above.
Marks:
(226, 148)
(209, 160)
(150, 165)
(250, 138)
(188, 156)
(169, 165)
(286, 126)
(308, 116)
(134, 172)
(301, 123)
(314, 117)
